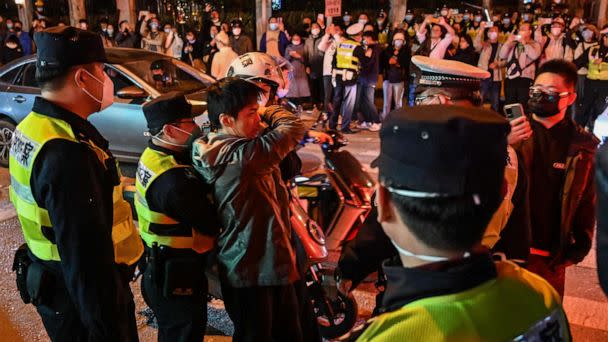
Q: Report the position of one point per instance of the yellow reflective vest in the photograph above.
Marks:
(153, 164)
(29, 138)
(518, 304)
(597, 71)
(345, 56)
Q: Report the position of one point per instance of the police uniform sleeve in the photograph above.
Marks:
(67, 181)
(182, 195)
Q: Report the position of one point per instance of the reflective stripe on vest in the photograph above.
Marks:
(151, 165)
(516, 304)
(28, 139)
(345, 58)
(597, 71)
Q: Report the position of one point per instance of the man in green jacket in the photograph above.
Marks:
(255, 253)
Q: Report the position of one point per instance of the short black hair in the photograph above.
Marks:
(83, 21)
(371, 34)
(51, 79)
(229, 96)
(453, 224)
(567, 70)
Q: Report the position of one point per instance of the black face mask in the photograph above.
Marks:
(157, 77)
(544, 105)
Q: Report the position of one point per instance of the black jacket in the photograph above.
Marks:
(181, 194)
(70, 182)
(577, 195)
(399, 72)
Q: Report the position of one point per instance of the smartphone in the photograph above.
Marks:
(489, 24)
(513, 111)
(527, 2)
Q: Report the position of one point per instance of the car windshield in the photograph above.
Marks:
(165, 75)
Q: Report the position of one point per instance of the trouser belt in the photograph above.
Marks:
(540, 252)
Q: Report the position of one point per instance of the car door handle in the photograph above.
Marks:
(19, 99)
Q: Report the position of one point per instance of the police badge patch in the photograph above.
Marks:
(23, 149)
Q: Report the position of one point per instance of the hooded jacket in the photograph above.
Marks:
(254, 247)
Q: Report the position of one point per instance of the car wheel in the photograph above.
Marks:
(6, 136)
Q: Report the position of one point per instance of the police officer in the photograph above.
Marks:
(438, 189)
(176, 221)
(65, 185)
(349, 53)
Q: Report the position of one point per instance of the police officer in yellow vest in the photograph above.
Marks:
(81, 244)
(596, 84)
(176, 221)
(344, 77)
(438, 189)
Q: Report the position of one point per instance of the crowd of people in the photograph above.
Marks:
(475, 218)
(510, 45)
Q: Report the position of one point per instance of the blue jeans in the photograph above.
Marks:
(345, 97)
(490, 91)
(365, 103)
(411, 95)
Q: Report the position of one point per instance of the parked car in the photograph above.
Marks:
(123, 124)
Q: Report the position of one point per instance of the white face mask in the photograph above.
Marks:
(167, 30)
(315, 31)
(398, 43)
(409, 17)
(428, 258)
(107, 97)
(236, 31)
(492, 35)
(506, 21)
(444, 13)
(362, 21)
(556, 31)
(587, 35)
(296, 42)
(336, 37)
(159, 138)
(478, 19)
(273, 26)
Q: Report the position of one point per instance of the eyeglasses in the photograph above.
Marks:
(552, 95)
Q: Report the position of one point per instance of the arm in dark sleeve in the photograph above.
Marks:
(360, 54)
(363, 255)
(263, 43)
(182, 195)
(66, 180)
(583, 221)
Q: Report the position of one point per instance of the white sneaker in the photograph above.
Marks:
(364, 125)
(375, 127)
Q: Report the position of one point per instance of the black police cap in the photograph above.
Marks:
(442, 151)
(167, 108)
(61, 47)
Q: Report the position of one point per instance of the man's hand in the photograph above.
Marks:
(321, 137)
(493, 65)
(207, 7)
(308, 70)
(368, 53)
(520, 130)
(392, 60)
(345, 286)
(294, 54)
(483, 25)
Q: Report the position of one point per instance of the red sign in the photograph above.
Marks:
(333, 8)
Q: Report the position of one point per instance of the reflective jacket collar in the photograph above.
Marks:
(405, 285)
(82, 128)
(180, 157)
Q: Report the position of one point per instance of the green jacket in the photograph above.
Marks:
(254, 247)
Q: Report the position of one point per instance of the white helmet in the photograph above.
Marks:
(260, 66)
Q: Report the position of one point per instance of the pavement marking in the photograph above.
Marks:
(585, 312)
